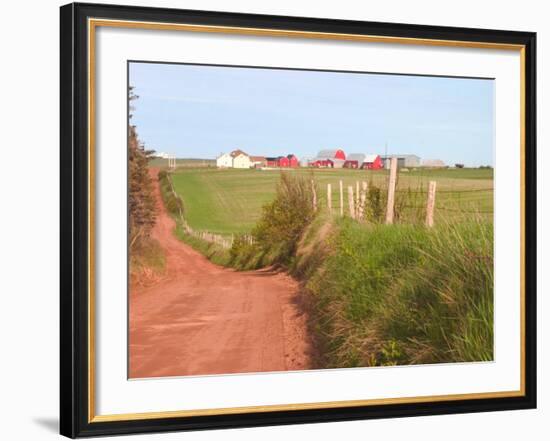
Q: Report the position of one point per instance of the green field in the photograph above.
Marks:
(230, 200)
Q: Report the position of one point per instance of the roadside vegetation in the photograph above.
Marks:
(399, 294)
(283, 221)
(146, 256)
(376, 294)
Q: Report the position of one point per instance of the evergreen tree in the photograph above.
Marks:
(142, 207)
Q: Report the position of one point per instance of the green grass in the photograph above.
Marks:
(230, 201)
(402, 294)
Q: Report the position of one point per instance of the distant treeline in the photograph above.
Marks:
(182, 162)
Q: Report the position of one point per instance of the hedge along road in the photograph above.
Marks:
(202, 319)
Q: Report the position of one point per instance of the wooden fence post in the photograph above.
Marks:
(431, 204)
(314, 191)
(351, 204)
(362, 200)
(341, 199)
(357, 199)
(329, 198)
(391, 191)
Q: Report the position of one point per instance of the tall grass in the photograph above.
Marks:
(404, 294)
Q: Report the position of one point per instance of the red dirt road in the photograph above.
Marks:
(204, 319)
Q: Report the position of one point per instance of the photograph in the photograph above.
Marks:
(284, 219)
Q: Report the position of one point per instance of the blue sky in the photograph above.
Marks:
(201, 111)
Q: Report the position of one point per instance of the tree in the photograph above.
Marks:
(141, 201)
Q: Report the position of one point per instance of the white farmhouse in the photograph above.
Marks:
(224, 161)
(241, 160)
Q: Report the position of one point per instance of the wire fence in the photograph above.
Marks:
(409, 205)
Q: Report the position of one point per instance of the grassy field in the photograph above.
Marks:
(230, 201)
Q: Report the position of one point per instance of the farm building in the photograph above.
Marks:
(337, 154)
(402, 160)
(336, 162)
(354, 160)
(359, 160)
(319, 162)
(293, 161)
(372, 162)
(272, 161)
(240, 159)
(235, 159)
(329, 158)
(225, 160)
(258, 161)
(283, 161)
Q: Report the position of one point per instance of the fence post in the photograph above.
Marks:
(351, 204)
(363, 200)
(341, 199)
(391, 191)
(431, 204)
(357, 199)
(329, 198)
(314, 191)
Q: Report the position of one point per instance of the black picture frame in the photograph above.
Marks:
(74, 271)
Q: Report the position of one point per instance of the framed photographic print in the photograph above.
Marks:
(274, 220)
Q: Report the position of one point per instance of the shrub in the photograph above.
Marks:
(375, 205)
(172, 202)
(280, 227)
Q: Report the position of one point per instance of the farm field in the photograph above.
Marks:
(230, 201)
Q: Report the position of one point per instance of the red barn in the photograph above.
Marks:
(329, 158)
(332, 154)
(354, 160)
(320, 163)
(272, 162)
(283, 161)
(293, 161)
(372, 162)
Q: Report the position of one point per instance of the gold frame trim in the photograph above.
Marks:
(92, 25)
